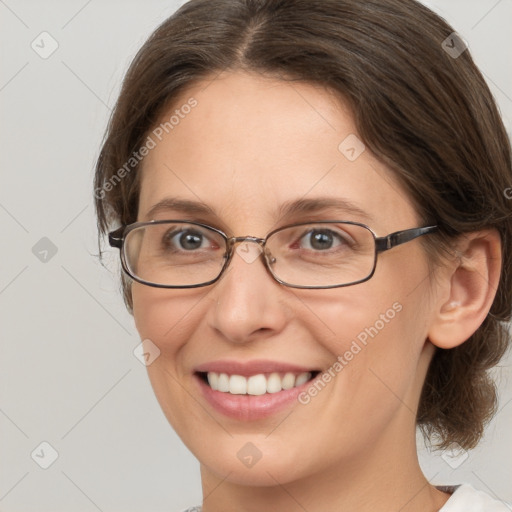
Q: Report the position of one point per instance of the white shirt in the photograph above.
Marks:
(465, 498)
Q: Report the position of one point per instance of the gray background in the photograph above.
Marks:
(68, 375)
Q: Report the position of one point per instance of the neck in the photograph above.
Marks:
(386, 477)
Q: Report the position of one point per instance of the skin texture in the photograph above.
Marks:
(251, 144)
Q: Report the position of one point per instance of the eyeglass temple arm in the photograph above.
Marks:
(400, 237)
(115, 238)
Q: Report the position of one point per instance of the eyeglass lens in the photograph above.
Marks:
(314, 254)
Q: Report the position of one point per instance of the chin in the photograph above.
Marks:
(267, 473)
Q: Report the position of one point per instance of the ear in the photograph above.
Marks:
(468, 285)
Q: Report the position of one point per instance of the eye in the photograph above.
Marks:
(322, 239)
(187, 239)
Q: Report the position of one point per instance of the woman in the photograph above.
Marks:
(310, 202)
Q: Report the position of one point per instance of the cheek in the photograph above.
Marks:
(355, 316)
(372, 375)
(164, 316)
(392, 306)
(375, 332)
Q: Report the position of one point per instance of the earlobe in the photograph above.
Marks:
(469, 288)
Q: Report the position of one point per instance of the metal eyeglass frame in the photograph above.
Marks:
(116, 239)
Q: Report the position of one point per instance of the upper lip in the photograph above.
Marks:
(248, 368)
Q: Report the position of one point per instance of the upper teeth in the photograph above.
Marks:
(256, 384)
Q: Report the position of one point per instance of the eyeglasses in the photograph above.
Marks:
(186, 254)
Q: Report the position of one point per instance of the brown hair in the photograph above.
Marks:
(425, 112)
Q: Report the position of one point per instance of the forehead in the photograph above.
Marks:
(247, 146)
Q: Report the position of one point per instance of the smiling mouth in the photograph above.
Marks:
(259, 384)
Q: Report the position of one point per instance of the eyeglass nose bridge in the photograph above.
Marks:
(238, 239)
(267, 257)
(235, 239)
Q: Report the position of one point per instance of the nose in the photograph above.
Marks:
(247, 302)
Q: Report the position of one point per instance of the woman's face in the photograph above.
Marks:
(250, 146)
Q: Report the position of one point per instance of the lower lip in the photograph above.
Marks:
(250, 407)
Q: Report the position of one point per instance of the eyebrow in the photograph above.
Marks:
(288, 209)
(322, 204)
(181, 205)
